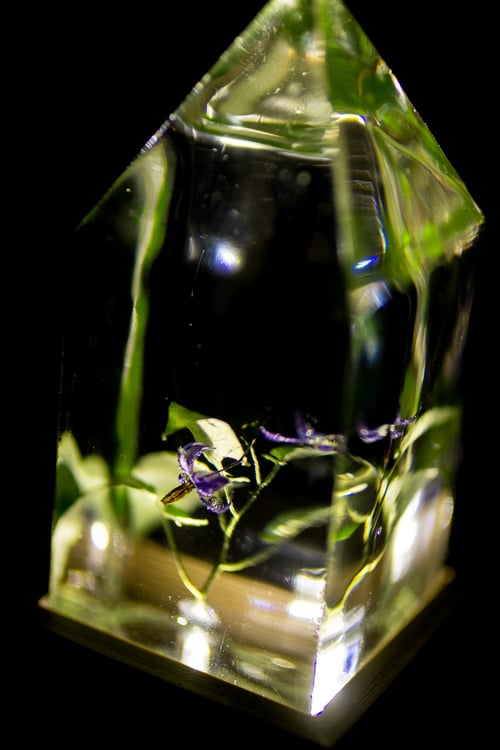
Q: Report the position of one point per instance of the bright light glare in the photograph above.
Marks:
(195, 649)
(309, 585)
(227, 258)
(362, 265)
(334, 667)
(305, 609)
(338, 656)
(99, 535)
(405, 538)
(309, 604)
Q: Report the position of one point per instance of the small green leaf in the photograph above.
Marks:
(132, 483)
(286, 526)
(344, 532)
(282, 454)
(180, 418)
(429, 420)
(67, 490)
(277, 456)
(221, 435)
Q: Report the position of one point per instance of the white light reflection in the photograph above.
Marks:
(226, 258)
(99, 535)
(362, 265)
(195, 649)
(422, 530)
(369, 298)
(404, 539)
(308, 605)
(198, 620)
(338, 656)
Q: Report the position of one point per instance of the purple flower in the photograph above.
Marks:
(307, 436)
(394, 430)
(206, 483)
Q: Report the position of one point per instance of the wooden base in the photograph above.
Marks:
(325, 729)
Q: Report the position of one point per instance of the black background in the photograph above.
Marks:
(89, 86)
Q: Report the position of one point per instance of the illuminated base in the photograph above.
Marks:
(325, 729)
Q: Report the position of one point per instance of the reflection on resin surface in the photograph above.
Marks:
(260, 408)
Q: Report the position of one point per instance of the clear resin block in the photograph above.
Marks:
(260, 409)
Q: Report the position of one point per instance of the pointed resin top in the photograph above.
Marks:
(296, 79)
(296, 69)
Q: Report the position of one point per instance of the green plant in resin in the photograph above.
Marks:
(260, 406)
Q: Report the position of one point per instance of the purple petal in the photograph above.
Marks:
(304, 428)
(394, 430)
(216, 504)
(372, 436)
(277, 437)
(210, 483)
(398, 428)
(206, 483)
(188, 455)
(307, 436)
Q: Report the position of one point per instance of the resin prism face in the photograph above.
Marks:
(260, 410)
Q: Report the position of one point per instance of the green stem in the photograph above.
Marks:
(154, 173)
(228, 529)
(247, 562)
(183, 575)
(231, 527)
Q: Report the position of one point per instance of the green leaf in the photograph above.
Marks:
(286, 526)
(154, 175)
(282, 454)
(277, 456)
(344, 532)
(133, 483)
(429, 420)
(180, 418)
(67, 489)
(221, 435)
